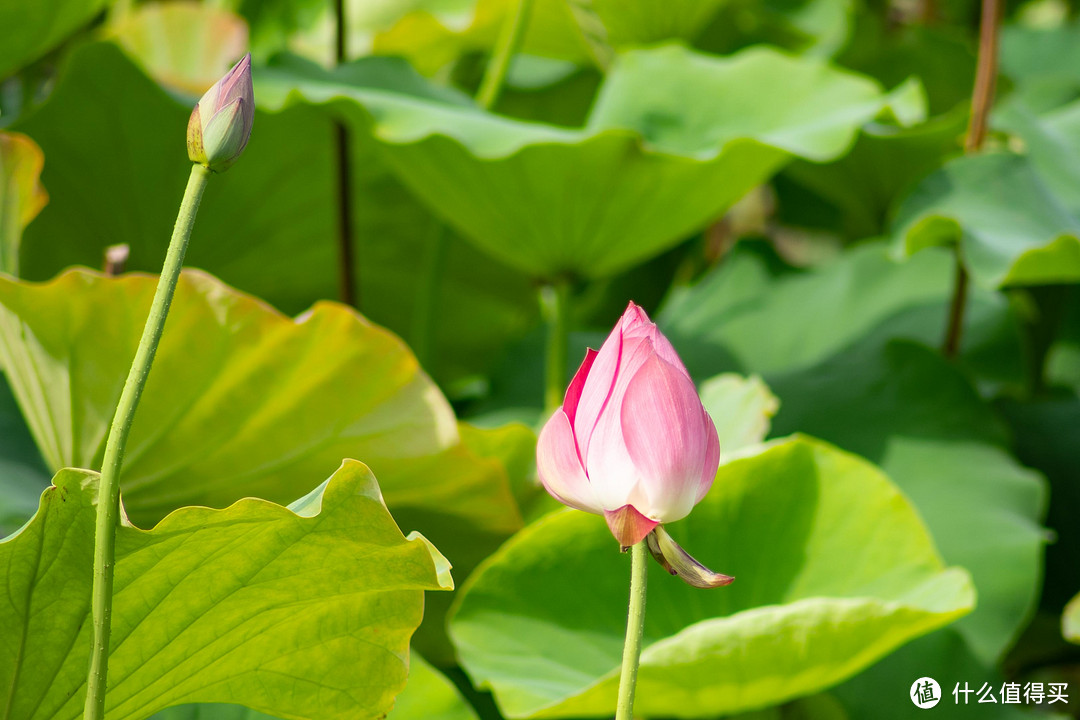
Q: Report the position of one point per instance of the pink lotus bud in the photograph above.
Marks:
(631, 441)
(220, 124)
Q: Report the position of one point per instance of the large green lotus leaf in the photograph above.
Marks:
(303, 611)
(902, 406)
(542, 621)
(21, 194)
(626, 23)
(1070, 621)
(211, 711)
(749, 317)
(235, 380)
(28, 30)
(429, 695)
(657, 159)
(812, 27)
(1012, 227)
(754, 314)
(1042, 63)
(23, 475)
(864, 185)
(268, 226)
(1051, 140)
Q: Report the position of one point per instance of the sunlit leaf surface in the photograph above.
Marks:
(304, 611)
(657, 159)
(427, 696)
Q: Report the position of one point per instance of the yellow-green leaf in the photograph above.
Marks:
(304, 611)
(21, 194)
(241, 400)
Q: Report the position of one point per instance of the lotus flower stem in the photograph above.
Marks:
(108, 510)
(635, 625)
(513, 30)
(555, 299)
(982, 98)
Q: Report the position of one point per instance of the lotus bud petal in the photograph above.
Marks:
(677, 561)
(220, 125)
(631, 441)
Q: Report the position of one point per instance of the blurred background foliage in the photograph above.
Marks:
(783, 184)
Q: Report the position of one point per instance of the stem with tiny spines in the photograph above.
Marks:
(982, 98)
(108, 509)
(635, 626)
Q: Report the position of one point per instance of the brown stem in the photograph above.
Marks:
(347, 285)
(347, 282)
(956, 308)
(340, 42)
(982, 98)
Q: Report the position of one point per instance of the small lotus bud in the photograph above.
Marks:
(220, 124)
(677, 561)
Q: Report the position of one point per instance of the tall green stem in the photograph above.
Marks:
(555, 301)
(635, 625)
(513, 30)
(108, 510)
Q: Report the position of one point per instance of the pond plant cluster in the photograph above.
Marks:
(465, 297)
